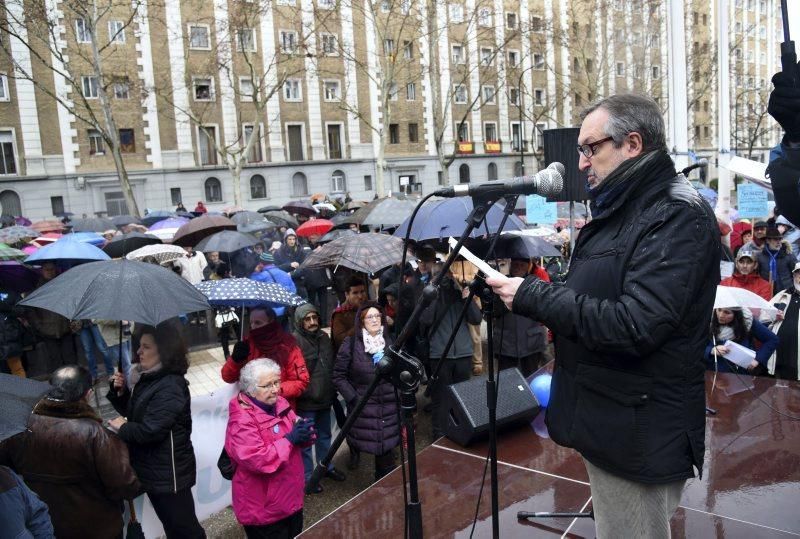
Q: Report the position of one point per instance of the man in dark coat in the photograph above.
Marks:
(631, 321)
(316, 401)
(77, 467)
(775, 262)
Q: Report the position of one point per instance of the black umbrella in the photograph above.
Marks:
(195, 230)
(300, 207)
(265, 209)
(125, 243)
(118, 290)
(226, 241)
(368, 253)
(383, 212)
(18, 396)
(92, 224)
(335, 234)
(153, 217)
(122, 220)
(515, 246)
(282, 218)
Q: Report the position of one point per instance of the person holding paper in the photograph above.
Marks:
(738, 326)
(785, 363)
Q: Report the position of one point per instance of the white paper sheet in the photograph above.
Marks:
(469, 255)
(740, 355)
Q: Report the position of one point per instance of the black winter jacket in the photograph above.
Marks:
(318, 353)
(158, 431)
(439, 319)
(631, 321)
(784, 262)
(517, 336)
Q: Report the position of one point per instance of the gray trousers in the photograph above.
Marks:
(624, 508)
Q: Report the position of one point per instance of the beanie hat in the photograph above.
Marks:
(289, 232)
(267, 257)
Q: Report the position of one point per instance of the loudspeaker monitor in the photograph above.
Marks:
(560, 145)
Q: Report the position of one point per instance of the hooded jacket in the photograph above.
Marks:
(752, 282)
(272, 342)
(268, 480)
(318, 354)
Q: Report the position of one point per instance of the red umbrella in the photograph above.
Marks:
(314, 226)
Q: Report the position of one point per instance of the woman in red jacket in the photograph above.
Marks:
(267, 339)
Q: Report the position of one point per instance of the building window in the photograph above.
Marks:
(325, 4)
(456, 13)
(463, 173)
(492, 171)
(4, 95)
(538, 96)
(413, 132)
(57, 205)
(8, 163)
(116, 32)
(330, 44)
(115, 203)
(511, 21)
(385, 6)
(122, 89)
(288, 41)
(331, 90)
(460, 94)
(246, 89)
(292, 90)
(485, 17)
(10, 203)
(516, 137)
(334, 141)
(513, 58)
(655, 72)
(199, 37)
(246, 40)
(206, 142)
(213, 189)
(368, 182)
(299, 184)
(96, 145)
(338, 182)
(83, 34)
(490, 132)
(91, 87)
(462, 132)
(536, 24)
(258, 186)
(517, 169)
(488, 95)
(394, 133)
(127, 141)
(457, 54)
(408, 50)
(538, 61)
(392, 91)
(706, 131)
(539, 132)
(513, 96)
(411, 91)
(620, 69)
(254, 155)
(487, 55)
(175, 195)
(388, 47)
(203, 88)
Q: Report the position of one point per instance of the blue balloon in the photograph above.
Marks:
(541, 389)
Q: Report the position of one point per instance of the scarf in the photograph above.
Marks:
(773, 262)
(271, 341)
(268, 408)
(373, 343)
(645, 167)
(726, 332)
(137, 371)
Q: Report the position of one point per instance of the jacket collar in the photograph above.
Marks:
(65, 410)
(282, 406)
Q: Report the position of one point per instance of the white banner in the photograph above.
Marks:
(212, 493)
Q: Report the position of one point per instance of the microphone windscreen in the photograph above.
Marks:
(552, 183)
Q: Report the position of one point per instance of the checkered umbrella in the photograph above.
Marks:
(9, 253)
(160, 253)
(247, 293)
(368, 253)
(13, 234)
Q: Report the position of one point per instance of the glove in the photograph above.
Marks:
(784, 104)
(241, 351)
(302, 432)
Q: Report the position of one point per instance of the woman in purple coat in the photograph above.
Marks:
(376, 430)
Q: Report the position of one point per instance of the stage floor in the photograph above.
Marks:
(750, 486)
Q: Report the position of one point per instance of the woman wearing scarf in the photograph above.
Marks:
(267, 338)
(785, 363)
(739, 326)
(376, 429)
(157, 425)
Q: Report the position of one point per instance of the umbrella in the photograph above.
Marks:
(17, 277)
(265, 209)
(10, 254)
(124, 244)
(514, 246)
(64, 214)
(325, 206)
(355, 204)
(23, 221)
(30, 249)
(335, 234)
(383, 212)
(94, 224)
(122, 220)
(195, 230)
(18, 396)
(729, 297)
(155, 216)
(47, 238)
(546, 233)
(48, 226)
(226, 241)
(367, 253)
(86, 237)
(247, 217)
(282, 218)
(7, 220)
(314, 226)
(255, 227)
(68, 251)
(440, 219)
(300, 207)
(13, 234)
(160, 253)
(243, 292)
(230, 210)
(190, 215)
(118, 290)
(164, 234)
(171, 222)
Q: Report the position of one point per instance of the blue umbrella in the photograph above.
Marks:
(172, 222)
(437, 220)
(68, 250)
(710, 195)
(155, 216)
(87, 237)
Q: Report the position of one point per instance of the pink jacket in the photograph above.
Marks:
(268, 482)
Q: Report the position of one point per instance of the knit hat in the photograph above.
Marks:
(760, 224)
(289, 232)
(267, 257)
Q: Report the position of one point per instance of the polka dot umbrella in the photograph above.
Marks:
(243, 292)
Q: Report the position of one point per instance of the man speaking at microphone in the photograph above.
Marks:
(630, 322)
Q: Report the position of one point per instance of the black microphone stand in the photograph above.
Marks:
(405, 371)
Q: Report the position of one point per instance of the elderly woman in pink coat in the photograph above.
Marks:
(264, 441)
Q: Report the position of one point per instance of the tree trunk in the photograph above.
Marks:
(236, 178)
(127, 190)
(380, 162)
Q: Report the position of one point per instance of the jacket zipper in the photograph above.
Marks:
(172, 454)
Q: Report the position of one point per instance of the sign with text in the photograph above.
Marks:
(752, 201)
(539, 210)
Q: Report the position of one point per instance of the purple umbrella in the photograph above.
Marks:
(18, 277)
(172, 222)
(23, 221)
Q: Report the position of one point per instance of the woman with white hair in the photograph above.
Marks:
(264, 440)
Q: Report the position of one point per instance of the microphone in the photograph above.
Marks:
(701, 163)
(547, 182)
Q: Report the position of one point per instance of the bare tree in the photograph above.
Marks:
(90, 66)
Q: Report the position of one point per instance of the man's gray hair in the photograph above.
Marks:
(628, 113)
(248, 377)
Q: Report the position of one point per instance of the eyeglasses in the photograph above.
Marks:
(372, 317)
(589, 149)
(273, 385)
